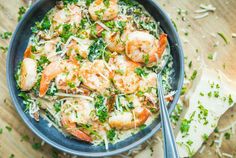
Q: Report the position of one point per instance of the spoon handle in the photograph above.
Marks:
(170, 150)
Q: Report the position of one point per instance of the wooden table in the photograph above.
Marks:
(198, 37)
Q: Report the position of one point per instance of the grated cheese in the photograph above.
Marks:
(201, 16)
(218, 151)
(202, 149)
(209, 7)
(233, 35)
(227, 155)
(102, 25)
(227, 127)
(74, 96)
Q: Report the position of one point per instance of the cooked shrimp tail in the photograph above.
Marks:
(49, 73)
(28, 52)
(71, 128)
(162, 44)
(126, 121)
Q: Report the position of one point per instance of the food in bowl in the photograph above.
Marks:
(90, 69)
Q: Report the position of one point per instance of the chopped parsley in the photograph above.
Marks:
(111, 134)
(3, 49)
(203, 113)
(194, 74)
(216, 94)
(88, 2)
(57, 106)
(210, 56)
(142, 127)
(5, 35)
(106, 3)
(209, 94)
(46, 24)
(42, 62)
(190, 64)
(101, 108)
(227, 135)
(230, 100)
(205, 137)
(201, 94)
(89, 128)
(8, 128)
(146, 58)
(52, 90)
(140, 93)
(185, 124)
(69, 1)
(36, 146)
(25, 137)
(110, 24)
(1, 130)
(12, 156)
(96, 49)
(150, 26)
(25, 97)
(141, 72)
(21, 12)
(223, 37)
(183, 90)
(189, 142)
(184, 127)
(66, 32)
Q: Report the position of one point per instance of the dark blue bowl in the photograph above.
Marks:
(51, 135)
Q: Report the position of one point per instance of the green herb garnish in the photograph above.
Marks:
(36, 146)
(111, 134)
(8, 128)
(3, 49)
(66, 32)
(69, 1)
(223, 37)
(141, 72)
(57, 106)
(5, 35)
(230, 100)
(96, 49)
(194, 74)
(101, 108)
(25, 137)
(227, 135)
(21, 12)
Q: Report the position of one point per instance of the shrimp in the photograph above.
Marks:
(116, 41)
(124, 77)
(70, 15)
(76, 112)
(127, 120)
(28, 75)
(28, 52)
(68, 80)
(79, 46)
(143, 47)
(150, 81)
(95, 75)
(99, 11)
(48, 74)
(66, 74)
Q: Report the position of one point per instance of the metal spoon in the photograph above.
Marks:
(170, 149)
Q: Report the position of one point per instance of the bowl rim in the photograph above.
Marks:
(95, 154)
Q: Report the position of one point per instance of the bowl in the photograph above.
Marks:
(51, 135)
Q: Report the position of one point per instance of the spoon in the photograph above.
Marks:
(170, 149)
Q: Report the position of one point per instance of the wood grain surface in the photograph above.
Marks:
(199, 38)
